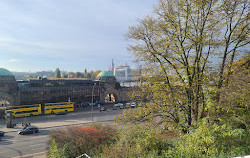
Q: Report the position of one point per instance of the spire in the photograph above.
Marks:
(113, 64)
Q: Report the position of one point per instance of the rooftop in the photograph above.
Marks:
(5, 72)
(105, 74)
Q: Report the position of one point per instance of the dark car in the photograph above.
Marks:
(29, 130)
(116, 106)
(103, 108)
(1, 133)
(61, 113)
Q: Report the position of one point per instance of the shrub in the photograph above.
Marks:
(137, 141)
(74, 141)
(54, 151)
(211, 140)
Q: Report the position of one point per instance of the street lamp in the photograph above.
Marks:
(92, 101)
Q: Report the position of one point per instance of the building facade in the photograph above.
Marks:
(122, 73)
(43, 90)
(8, 88)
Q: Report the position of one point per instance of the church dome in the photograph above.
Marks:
(5, 72)
(105, 74)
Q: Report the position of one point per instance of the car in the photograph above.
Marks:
(29, 130)
(103, 108)
(127, 105)
(61, 113)
(132, 105)
(121, 105)
(116, 106)
(2, 133)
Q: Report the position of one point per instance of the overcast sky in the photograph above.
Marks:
(73, 35)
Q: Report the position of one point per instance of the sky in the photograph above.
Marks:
(72, 35)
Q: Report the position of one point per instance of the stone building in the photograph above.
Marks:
(111, 89)
(42, 90)
(8, 88)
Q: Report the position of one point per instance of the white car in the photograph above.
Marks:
(132, 105)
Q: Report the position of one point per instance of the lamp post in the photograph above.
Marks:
(92, 102)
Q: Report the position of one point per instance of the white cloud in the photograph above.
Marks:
(14, 60)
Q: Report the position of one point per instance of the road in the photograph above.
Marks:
(14, 145)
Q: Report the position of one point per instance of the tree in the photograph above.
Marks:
(91, 72)
(85, 72)
(79, 75)
(180, 42)
(97, 72)
(57, 73)
(64, 75)
(71, 75)
(235, 93)
(235, 20)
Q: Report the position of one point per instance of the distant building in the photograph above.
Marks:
(123, 73)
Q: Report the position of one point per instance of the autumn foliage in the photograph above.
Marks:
(74, 141)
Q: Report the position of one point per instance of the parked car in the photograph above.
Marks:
(121, 105)
(62, 113)
(132, 105)
(103, 108)
(116, 106)
(127, 105)
(29, 130)
(1, 133)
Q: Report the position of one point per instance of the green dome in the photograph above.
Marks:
(105, 74)
(4, 72)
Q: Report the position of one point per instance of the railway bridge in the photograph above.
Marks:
(44, 90)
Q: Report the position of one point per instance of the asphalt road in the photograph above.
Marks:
(14, 145)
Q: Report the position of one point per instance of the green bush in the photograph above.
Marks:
(211, 140)
(54, 151)
(137, 141)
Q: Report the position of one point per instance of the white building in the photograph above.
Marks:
(122, 73)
